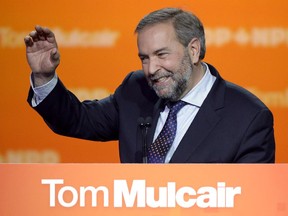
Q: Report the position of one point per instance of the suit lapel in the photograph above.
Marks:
(204, 122)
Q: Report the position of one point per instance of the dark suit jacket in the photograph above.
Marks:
(232, 126)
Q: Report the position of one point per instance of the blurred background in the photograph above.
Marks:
(247, 41)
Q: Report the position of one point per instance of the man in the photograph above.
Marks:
(177, 109)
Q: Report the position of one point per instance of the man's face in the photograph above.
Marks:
(165, 61)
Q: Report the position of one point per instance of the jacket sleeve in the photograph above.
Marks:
(66, 115)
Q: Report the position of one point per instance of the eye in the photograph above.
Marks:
(143, 59)
(162, 54)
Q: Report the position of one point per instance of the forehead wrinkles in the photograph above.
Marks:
(156, 36)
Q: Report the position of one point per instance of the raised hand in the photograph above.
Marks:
(42, 54)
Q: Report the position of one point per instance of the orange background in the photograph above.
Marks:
(264, 189)
(23, 135)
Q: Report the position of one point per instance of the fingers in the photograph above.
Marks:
(43, 32)
(28, 41)
(40, 33)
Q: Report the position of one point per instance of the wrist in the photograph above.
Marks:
(40, 79)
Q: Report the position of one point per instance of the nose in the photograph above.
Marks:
(153, 66)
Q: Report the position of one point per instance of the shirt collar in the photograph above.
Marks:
(198, 93)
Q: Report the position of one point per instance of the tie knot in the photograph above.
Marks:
(176, 106)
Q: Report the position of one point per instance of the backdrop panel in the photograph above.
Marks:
(246, 40)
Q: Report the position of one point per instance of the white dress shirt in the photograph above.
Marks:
(194, 98)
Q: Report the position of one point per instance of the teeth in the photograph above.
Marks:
(161, 79)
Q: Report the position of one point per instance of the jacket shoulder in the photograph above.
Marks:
(243, 97)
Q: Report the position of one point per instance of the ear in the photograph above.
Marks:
(194, 48)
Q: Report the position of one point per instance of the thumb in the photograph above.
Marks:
(55, 55)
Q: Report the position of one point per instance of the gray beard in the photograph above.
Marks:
(180, 81)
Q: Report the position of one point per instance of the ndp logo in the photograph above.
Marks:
(140, 195)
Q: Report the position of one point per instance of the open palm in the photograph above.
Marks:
(41, 51)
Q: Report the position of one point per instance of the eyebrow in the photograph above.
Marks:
(155, 52)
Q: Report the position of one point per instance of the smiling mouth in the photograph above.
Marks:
(160, 79)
